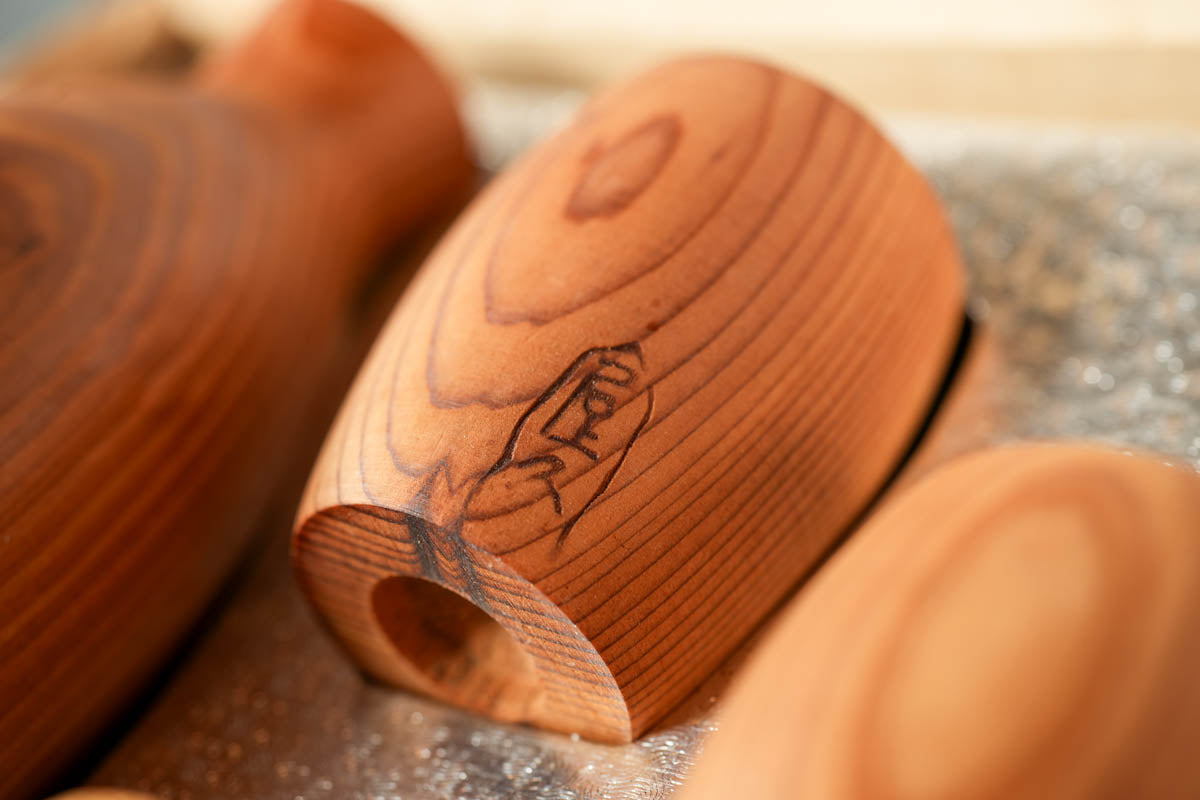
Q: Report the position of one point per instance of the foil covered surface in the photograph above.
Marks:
(1083, 253)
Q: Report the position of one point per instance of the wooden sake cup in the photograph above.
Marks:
(645, 382)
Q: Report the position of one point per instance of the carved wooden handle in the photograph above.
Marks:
(176, 269)
(641, 387)
(1022, 623)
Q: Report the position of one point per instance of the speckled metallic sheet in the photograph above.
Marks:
(1084, 260)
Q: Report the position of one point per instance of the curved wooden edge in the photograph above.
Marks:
(377, 106)
(525, 661)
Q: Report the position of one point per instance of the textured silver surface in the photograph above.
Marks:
(1084, 261)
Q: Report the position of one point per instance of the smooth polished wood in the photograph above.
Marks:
(1020, 623)
(177, 266)
(640, 388)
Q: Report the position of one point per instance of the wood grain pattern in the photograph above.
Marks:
(640, 387)
(1022, 623)
(177, 266)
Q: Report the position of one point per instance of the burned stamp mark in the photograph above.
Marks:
(593, 412)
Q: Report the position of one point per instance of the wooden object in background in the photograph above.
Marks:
(177, 265)
(640, 388)
(1021, 623)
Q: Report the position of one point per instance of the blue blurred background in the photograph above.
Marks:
(20, 18)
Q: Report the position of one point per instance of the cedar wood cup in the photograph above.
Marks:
(658, 366)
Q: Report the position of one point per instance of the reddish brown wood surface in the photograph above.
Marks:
(177, 265)
(1020, 623)
(642, 385)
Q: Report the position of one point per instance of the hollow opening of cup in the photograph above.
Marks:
(463, 654)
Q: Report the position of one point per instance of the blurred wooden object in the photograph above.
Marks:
(640, 388)
(179, 264)
(1021, 623)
